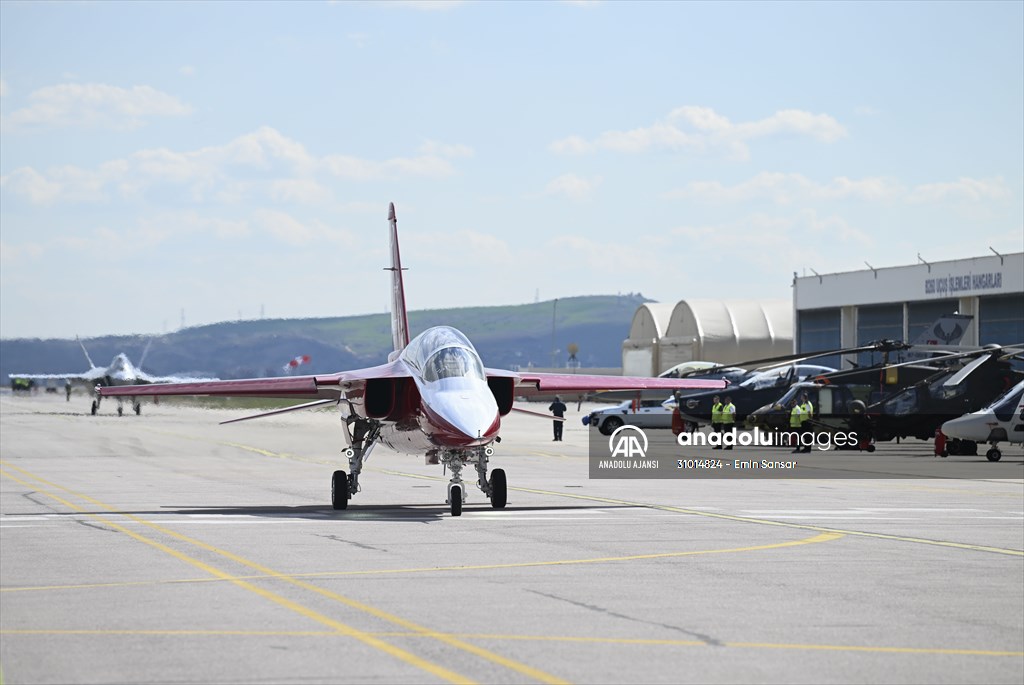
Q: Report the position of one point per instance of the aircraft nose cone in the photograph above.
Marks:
(465, 418)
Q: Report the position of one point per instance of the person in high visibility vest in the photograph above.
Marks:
(808, 413)
(796, 423)
(807, 405)
(728, 417)
(716, 418)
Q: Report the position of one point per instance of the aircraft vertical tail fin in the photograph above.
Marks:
(87, 358)
(947, 330)
(399, 317)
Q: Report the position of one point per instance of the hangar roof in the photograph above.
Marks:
(650, 322)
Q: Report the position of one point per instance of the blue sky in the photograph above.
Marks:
(230, 158)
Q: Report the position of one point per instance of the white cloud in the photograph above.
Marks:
(786, 189)
(819, 126)
(292, 231)
(573, 145)
(775, 243)
(702, 128)
(358, 169)
(31, 184)
(298, 190)
(572, 186)
(644, 254)
(95, 105)
(971, 189)
(212, 172)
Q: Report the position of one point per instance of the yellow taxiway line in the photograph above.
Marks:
(342, 628)
(746, 519)
(822, 537)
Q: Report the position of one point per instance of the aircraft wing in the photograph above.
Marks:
(314, 387)
(537, 383)
(76, 377)
(146, 378)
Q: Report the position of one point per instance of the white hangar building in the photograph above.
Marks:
(856, 307)
(722, 331)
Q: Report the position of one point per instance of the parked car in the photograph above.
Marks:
(649, 414)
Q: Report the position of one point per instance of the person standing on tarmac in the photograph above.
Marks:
(728, 415)
(558, 409)
(796, 423)
(716, 418)
(808, 414)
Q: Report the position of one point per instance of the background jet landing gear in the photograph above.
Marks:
(136, 407)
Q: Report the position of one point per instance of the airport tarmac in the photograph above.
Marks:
(165, 548)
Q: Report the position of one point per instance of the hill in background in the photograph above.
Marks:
(506, 336)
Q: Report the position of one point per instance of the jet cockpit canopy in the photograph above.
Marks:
(443, 352)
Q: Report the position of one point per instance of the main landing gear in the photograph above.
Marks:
(136, 406)
(994, 454)
(363, 435)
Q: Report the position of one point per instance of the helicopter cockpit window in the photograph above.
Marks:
(902, 403)
(452, 362)
(941, 391)
(769, 379)
(1004, 406)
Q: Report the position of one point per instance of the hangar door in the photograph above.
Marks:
(819, 330)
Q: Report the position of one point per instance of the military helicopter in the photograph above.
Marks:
(766, 384)
(1001, 421)
(916, 411)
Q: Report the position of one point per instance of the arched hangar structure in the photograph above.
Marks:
(722, 331)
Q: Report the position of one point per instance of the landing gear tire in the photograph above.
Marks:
(870, 448)
(455, 495)
(499, 489)
(339, 490)
(120, 411)
(95, 406)
(138, 409)
(994, 454)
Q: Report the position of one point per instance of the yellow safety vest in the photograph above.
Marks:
(808, 409)
(716, 413)
(796, 416)
(728, 413)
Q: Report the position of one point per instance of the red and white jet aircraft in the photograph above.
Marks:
(434, 397)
